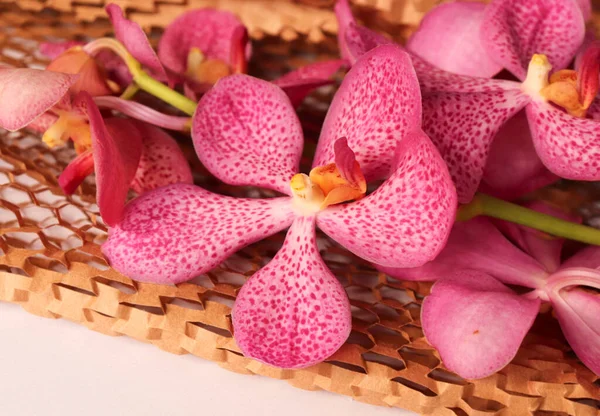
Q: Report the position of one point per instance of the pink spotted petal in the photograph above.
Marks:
(513, 167)
(407, 220)
(344, 18)
(477, 244)
(26, 93)
(481, 333)
(131, 35)
(578, 312)
(449, 38)
(209, 30)
(162, 161)
(292, 313)
(301, 82)
(569, 146)
(246, 132)
(76, 172)
(180, 231)
(514, 30)
(360, 40)
(54, 49)
(377, 104)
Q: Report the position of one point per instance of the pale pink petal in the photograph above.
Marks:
(54, 49)
(481, 333)
(477, 244)
(407, 220)
(514, 30)
(463, 125)
(76, 172)
(578, 312)
(449, 38)
(246, 132)
(513, 167)
(292, 313)
(26, 93)
(586, 8)
(569, 146)
(209, 30)
(180, 231)
(43, 122)
(162, 161)
(131, 35)
(377, 104)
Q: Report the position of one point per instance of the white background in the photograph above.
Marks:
(55, 367)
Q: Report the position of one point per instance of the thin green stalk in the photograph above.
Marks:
(493, 207)
(159, 90)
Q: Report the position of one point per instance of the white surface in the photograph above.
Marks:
(55, 367)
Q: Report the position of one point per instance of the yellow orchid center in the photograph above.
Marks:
(69, 126)
(203, 70)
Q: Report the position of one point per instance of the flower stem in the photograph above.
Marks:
(493, 207)
(160, 90)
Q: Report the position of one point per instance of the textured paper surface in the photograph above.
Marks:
(50, 264)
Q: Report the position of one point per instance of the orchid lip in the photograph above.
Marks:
(69, 125)
(205, 70)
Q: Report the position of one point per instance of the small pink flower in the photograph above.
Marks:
(293, 312)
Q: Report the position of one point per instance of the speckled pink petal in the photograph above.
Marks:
(209, 30)
(578, 312)
(344, 18)
(567, 145)
(162, 161)
(463, 125)
(246, 132)
(360, 40)
(131, 35)
(377, 104)
(292, 313)
(407, 220)
(477, 244)
(180, 231)
(513, 167)
(476, 323)
(514, 30)
(26, 93)
(301, 82)
(54, 49)
(449, 38)
(76, 172)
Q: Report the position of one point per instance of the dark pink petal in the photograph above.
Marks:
(463, 125)
(514, 30)
(239, 45)
(26, 93)
(134, 39)
(481, 333)
(590, 37)
(513, 167)
(54, 49)
(449, 38)
(569, 146)
(578, 312)
(246, 132)
(76, 172)
(586, 8)
(180, 231)
(162, 161)
(377, 104)
(477, 244)
(360, 40)
(209, 30)
(344, 18)
(301, 82)
(588, 257)
(407, 220)
(292, 313)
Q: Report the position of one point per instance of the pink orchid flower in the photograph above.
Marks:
(481, 334)
(462, 115)
(293, 312)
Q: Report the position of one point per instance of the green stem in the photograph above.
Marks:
(160, 90)
(493, 207)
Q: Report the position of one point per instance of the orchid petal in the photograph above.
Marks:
(344, 18)
(359, 40)
(246, 132)
(513, 31)
(569, 146)
(162, 161)
(292, 313)
(578, 312)
(586, 8)
(482, 333)
(42, 123)
(588, 257)
(477, 244)
(26, 93)
(180, 231)
(377, 104)
(76, 172)
(407, 220)
(131, 35)
(54, 49)
(449, 38)
(513, 167)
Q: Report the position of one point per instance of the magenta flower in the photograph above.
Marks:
(481, 334)
(293, 312)
(463, 115)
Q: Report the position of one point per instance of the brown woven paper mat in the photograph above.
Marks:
(51, 264)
